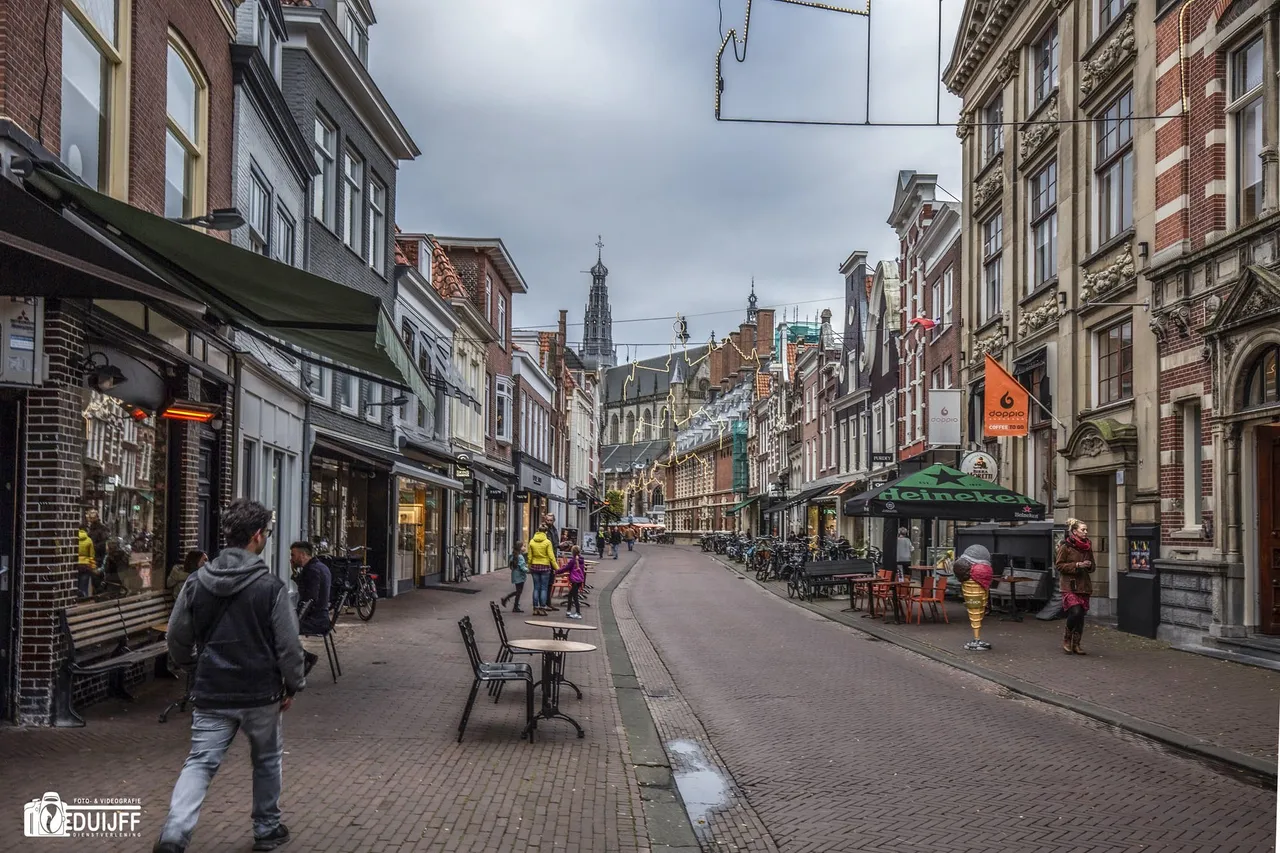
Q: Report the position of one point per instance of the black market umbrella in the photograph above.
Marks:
(941, 491)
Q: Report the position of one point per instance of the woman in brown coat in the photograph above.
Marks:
(1075, 564)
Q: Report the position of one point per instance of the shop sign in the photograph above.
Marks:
(980, 464)
(21, 338)
(520, 497)
(494, 494)
(944, 417)
(462, 472)
(882, 458)
(534, 481)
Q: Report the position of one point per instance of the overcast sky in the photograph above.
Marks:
(547, 122)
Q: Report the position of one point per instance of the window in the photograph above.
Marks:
(266, 37)
(259, 214)
(1260, 384)
(935, 378)
(992, 275)
(377, 225)
(184, 136)
(503, 415)
(324, 194)
(502, 321)
(94, 51)
(286, 237)
(946, 374)
(248, 470)
(357, 35)
(488, 298)
(316, 380)
(1113, 168)
(1044, 226)
(488, 404)
(948, 294)
(345, 395)
(1115, 363)
(353, 213)
(1192, 465)
(374, 396)
(1246, 128)
(1045, 67)
(407, 335)
(993, 127)
(1108, 11)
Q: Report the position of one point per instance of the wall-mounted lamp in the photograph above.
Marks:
(187, 410)
(394, 401)
(1062, 300)
(100, 374)
(218, 219)
(1144, 249)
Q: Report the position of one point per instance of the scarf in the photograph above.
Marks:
(1084, 546)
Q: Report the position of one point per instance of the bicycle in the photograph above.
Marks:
(461, 564)
(362, 592)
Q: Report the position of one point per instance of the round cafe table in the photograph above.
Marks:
(560, 631)
(553, 652)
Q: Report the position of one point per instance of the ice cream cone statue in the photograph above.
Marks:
(973, 570)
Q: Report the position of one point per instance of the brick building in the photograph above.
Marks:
(1216, 317)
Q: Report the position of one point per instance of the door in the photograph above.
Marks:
(10, 490)
(1269, 529)
(207, 494)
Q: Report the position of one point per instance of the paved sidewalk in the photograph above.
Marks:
(1224, 709)
(372, 763)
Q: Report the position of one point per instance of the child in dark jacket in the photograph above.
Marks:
(576, 568)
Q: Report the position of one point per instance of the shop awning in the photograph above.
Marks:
(741, 505)
(805, 496)
(940, 491)
(417, 472)
(278, 302)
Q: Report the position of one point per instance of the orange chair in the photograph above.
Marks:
(882, 591)
(933, 593)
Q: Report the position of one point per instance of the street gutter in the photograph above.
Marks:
(667, 819)
(1230, 758)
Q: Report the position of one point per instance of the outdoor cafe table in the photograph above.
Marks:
(851, 580)
(553, 652)
(560, 631)
(1012, 614)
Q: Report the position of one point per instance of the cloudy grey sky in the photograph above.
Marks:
(546, 122)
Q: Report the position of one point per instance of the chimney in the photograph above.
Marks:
(764, 332)
(734, 356)
(564, 318)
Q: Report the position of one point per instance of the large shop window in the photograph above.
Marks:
(339, 505)
(420, 537)
(121, 465)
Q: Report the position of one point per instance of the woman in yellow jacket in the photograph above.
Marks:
(87, 565)
(542, 565)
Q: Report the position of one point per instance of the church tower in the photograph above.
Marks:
(753, 311)
(597, 331)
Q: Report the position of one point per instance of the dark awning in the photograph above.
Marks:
(940, 491)
(805, 496)
(272, 300)
(741, 505)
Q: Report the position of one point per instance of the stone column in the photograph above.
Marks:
(1231, 496)
(1270, 92)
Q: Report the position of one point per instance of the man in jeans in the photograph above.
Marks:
(314, 580)
(235, 624)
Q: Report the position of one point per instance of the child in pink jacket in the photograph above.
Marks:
(576, 567)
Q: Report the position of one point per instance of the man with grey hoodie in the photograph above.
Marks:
(237, 627)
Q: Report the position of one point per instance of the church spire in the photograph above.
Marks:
(752, 310)
(597, 331)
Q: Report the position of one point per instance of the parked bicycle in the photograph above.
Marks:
(360, 590)
(461, 564)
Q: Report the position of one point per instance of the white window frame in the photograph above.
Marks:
(1043, 210)
(353, 406)
(324, 191)
(377, 248)
(488, 298)
(948, 294)
(356, 33)
(1113, 163)
(284, 240)
(377, 396)
(1192, 466)
(260, 213)
(502, 321)
(1244, 100)
(321, 388)
(503, 431)
(488, 391)
(353, 182)
(992, 293)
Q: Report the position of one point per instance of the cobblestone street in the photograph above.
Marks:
(371, 763)
(836, 741)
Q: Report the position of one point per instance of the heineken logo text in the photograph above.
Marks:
(957, 495)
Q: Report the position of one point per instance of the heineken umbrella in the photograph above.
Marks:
(940, 491)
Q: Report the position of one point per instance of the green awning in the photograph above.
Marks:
(943, 492)
(262, 296)
(736, 508)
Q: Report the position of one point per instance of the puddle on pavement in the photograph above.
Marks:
(701, 786)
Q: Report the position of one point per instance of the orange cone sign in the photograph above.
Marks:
(1006, 405)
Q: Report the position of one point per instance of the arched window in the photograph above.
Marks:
(664, 429)
(656, 497)
(613, 429)
(646, 424)
(631, 428)
(1261, 384)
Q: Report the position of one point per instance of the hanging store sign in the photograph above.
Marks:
(521, 497)
(462, 472)
(981, 465)
(1006, 405)
(494, 494)
(534, 481)
(944, 417)
(882, 458)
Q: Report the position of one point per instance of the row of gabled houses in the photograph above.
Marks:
(205, 297)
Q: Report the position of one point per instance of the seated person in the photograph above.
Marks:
(314, 580)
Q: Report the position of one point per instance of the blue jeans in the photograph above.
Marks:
(211, 734)
(630, 542)
(615, 550)
(541, 588)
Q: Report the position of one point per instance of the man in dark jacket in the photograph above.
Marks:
(314, 581)
(236, 626)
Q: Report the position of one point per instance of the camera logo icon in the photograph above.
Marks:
(45, 817)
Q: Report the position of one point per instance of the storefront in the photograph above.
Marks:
(536, 482)
(425, 494)
(349, 508)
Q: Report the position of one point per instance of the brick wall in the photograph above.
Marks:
(22, 37)
(51, 513)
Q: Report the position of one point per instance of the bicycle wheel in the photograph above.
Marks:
(366, 603)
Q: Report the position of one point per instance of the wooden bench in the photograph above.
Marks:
(108, 637)
(821, 575)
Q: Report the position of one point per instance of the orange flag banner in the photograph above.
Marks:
(1006, 405)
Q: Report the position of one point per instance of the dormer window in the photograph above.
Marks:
(358, 35)
(266, 38)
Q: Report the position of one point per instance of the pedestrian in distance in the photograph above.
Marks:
(576, 569)
(542, 563)
(630, 538)
(1075, 564)
(519, 573)
(905, 547)
(615, 539)
(314, 580)
(87, 564)
(236, 626)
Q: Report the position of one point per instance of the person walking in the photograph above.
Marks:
(1075, 564)
(630, 538)
(235, 625)
(576, 568)
(86, 564)
(905, 547)
(315, 580)
(542, 563)
(615, 539)
(519, 573)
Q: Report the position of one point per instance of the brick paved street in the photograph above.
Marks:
(372, 763)
(840, 742)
